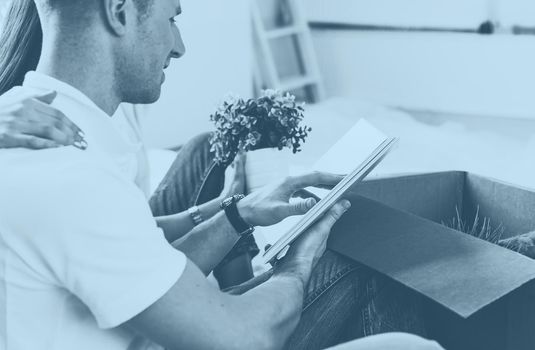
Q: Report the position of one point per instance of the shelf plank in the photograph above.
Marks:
(283, 32)
(297, 82)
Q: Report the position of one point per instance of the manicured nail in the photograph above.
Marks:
(81, 134)
(346, 204)
(80, 144)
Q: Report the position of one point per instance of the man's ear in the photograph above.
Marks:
(117, 14)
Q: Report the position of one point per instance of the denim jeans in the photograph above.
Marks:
(344, 299)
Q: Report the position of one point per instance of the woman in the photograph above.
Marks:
(30, 122)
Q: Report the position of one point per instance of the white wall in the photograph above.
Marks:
(217, 36)
(445, 72)
(457, 73)
(423, 13)
(411, 13)
(521, 12)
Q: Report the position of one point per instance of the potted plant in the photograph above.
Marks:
(262, 127)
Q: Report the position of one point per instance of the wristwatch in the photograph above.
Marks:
(195, 215)
(233, 216)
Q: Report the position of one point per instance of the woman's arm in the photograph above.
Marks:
(28, 121)
(177, 225)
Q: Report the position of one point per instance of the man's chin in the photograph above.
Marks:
(154, 97)
(146, 98)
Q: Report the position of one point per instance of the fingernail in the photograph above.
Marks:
(311, 202)
(346, 204)
(80, 144)
(81, 134)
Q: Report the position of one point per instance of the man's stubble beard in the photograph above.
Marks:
(137, 86)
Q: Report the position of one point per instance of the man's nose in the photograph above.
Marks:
(179, 48)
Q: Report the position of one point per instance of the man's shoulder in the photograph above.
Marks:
(60, 164)
(49, 177)
(53, 199)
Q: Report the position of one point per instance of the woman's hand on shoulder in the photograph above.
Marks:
(28, 121)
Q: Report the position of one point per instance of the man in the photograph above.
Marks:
(84, 264)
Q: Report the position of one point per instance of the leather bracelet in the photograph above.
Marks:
(195, 215)
(234, 217)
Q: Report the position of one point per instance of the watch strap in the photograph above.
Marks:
(234, 217)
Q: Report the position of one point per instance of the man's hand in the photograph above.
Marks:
(305, 252)
(270, 312)
(271, 204)
(28, 121)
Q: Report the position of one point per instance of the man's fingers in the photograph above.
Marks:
(314, 241)
(300, 207)
(47, 97)
(306, 194)
(314, 179)
(335, 213)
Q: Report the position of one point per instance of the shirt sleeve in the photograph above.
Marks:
(108, 250)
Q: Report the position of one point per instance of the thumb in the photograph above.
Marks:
(47, 97)
(336, 212)
(301, 207)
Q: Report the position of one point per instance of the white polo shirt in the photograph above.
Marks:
(80, 253)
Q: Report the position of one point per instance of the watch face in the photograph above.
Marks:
(226, 202)
(234, 199)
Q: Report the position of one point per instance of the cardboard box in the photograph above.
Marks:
(477, 294)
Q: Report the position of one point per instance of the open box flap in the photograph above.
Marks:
(506, 204)
(461, 272)
(433, 196)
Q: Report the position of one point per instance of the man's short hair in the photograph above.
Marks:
(143, 6)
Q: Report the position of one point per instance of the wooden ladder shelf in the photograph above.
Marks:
(267, 72)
